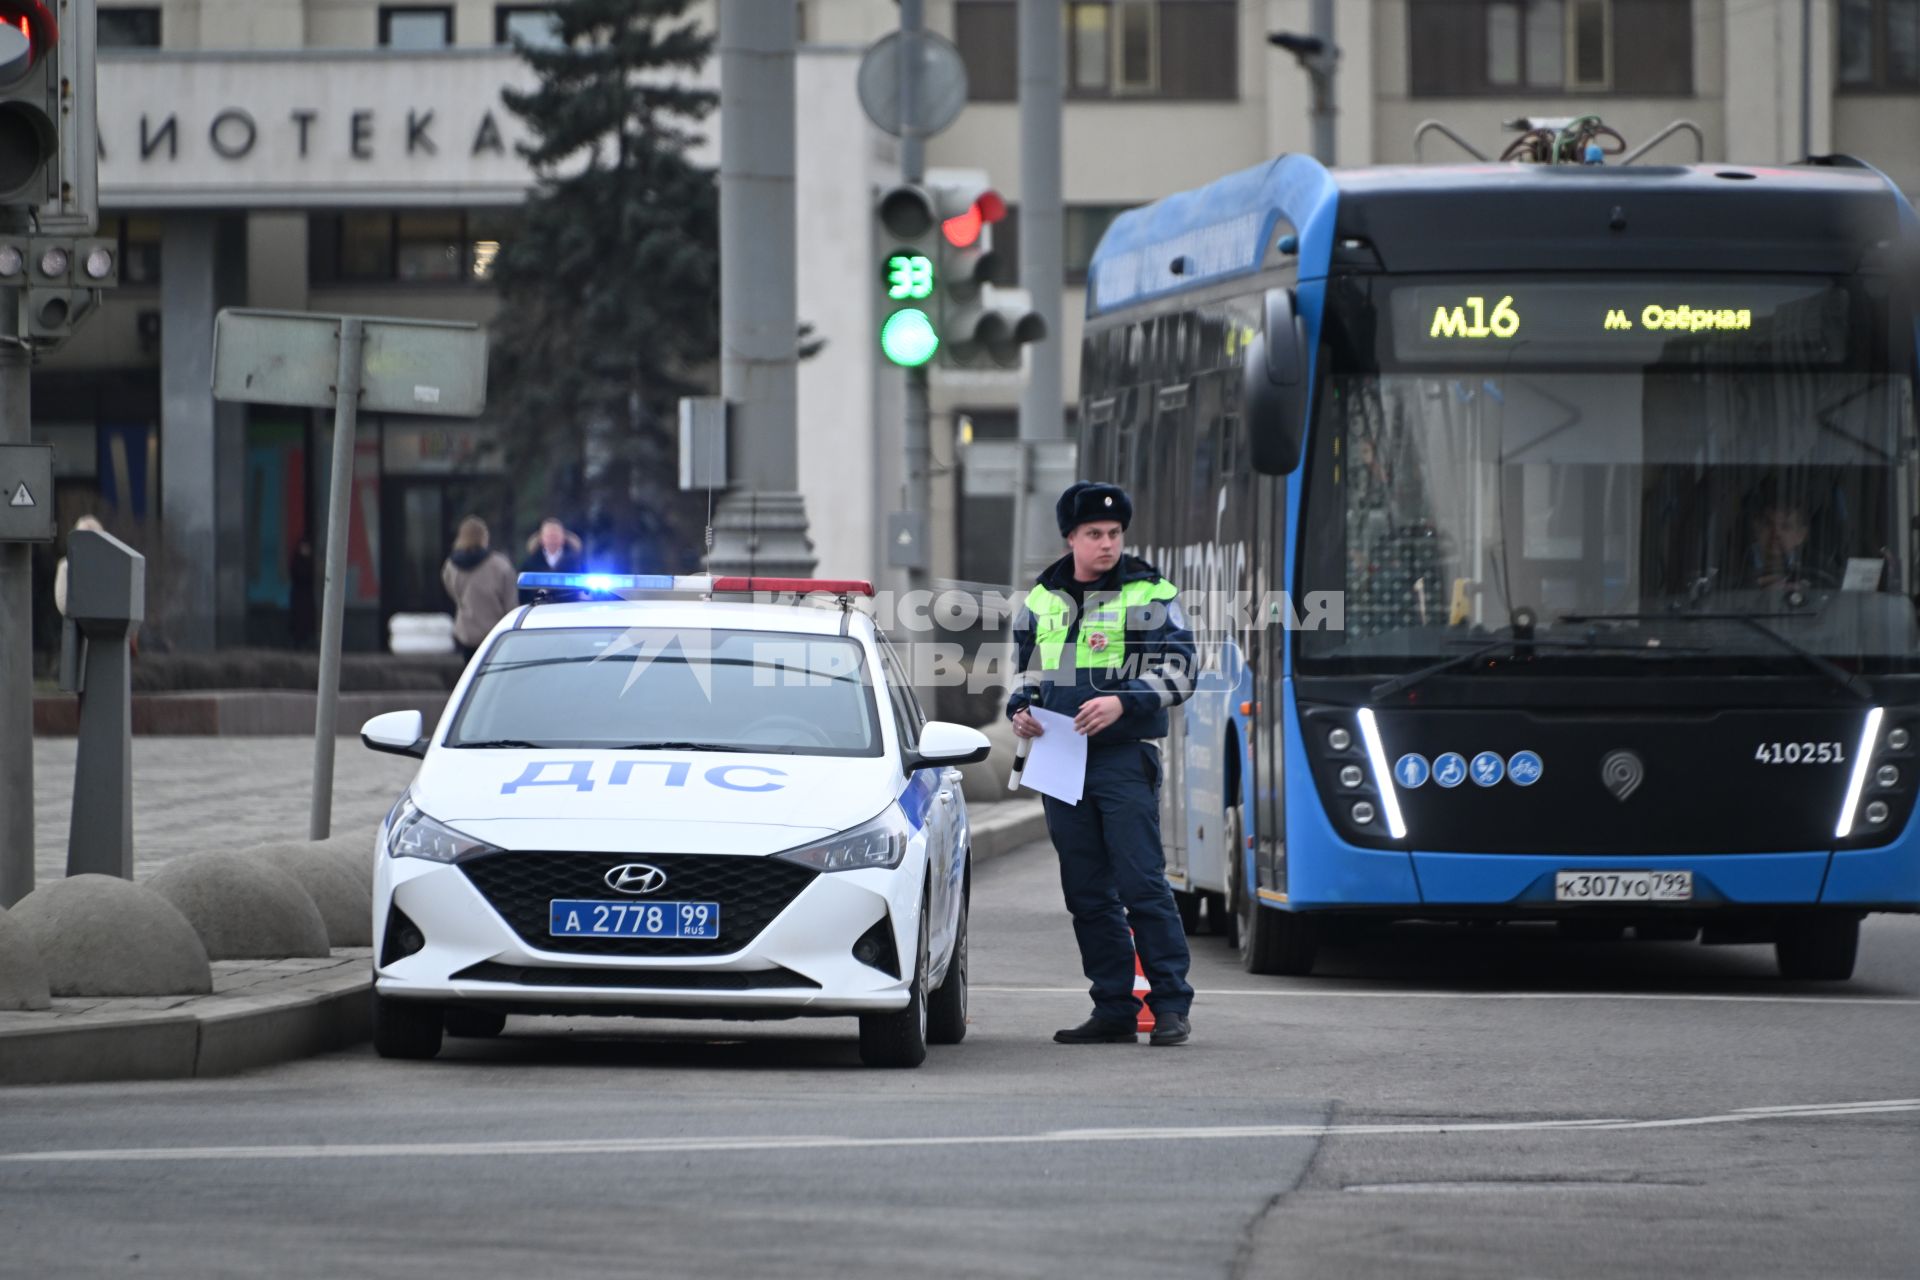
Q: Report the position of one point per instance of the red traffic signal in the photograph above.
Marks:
(30, 30)
(963, 229)
(29, 97)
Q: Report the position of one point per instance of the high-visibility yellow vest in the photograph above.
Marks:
(1102, 641)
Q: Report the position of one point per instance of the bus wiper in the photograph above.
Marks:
(496, 743)
(1847, 680)
(1387, 688)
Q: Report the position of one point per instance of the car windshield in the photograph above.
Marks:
(671, 688)
(1717, 466)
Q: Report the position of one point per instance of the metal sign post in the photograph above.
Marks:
(345, 363)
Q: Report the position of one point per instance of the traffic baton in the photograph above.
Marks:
(1141, 989)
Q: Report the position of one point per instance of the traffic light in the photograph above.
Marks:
(30, 106)
(976, 331)
(909, 333)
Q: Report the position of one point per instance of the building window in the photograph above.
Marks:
(534, 25)
(416, 27)
(1084, 224)
(1463, 48)
(1879, 45)
(139, 248)
(423, 247)
(1181, 49)
(129, 28)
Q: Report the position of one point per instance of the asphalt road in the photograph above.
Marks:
(1445, 1103)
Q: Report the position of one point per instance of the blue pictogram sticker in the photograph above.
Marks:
(1450, 770)
(1411, 770)
(1487, 769)
(1524, 768)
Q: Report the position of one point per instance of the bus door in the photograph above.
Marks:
(1169, 446)
(1267, 823)
(1203, 717)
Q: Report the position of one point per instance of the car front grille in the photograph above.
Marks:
(638, 979)
(751, 891)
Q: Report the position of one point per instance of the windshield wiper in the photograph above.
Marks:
(685, 746)
(499, 743)
(1847, 680)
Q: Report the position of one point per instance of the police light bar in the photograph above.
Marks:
(607, 583)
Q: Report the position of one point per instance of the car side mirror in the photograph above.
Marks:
(400, 733)
(1274, 385)
(944, 743)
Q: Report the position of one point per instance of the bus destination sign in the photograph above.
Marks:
(1603, 322)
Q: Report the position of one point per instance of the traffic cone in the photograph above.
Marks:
(1140, 989)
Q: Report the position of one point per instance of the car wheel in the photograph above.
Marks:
(947, 1006)
(1219, 916)
(900, 1039)
(1269, 942)
(405, 1028)
(1819, 948)
(1189, 904)
(475, 1024)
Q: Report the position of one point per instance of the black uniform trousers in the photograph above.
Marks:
(1113, 873)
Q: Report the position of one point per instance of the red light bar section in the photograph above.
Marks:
(834, 586)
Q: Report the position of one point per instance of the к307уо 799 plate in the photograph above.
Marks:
(1623, 886)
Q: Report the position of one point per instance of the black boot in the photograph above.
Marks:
(1098, 1030)
(1170, 1028)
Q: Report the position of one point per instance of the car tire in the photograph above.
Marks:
(947, 1006)
(1189, 904)
(1818, 948)
(1220, 918)
(900, 1039)
(1269, 942)
(475, 1024)
(406, 1028)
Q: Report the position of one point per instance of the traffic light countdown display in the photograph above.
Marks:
(936, 255)
(60, 275)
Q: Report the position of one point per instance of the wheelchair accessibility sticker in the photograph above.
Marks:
(1450, 770)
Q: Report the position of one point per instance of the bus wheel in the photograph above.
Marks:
(1819, 947)
(1189, 904)
(1270, 942)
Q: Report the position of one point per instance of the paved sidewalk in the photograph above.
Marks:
(227, 793)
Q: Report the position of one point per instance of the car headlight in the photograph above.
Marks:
(412, 834)
(879, 843)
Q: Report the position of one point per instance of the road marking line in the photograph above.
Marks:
(1758, 998)
(820, 1142)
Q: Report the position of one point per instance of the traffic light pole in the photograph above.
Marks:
(918, 413)
(1041, 271)
(16, 629)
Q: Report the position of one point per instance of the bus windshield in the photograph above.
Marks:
(1636, 465)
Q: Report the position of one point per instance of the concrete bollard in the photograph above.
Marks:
(345, 900)
(23, 979)
(243, 908)
(99, 935)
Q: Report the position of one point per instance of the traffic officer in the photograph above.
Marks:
(1114, 653)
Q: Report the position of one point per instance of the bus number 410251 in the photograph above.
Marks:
(1800, 753)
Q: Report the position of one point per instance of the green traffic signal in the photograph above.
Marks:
(908, 338)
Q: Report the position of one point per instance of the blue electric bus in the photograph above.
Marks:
(1551, 534)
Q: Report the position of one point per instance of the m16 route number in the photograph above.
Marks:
(1474, 321)
(1800, 753)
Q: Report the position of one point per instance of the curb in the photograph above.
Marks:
(247, 1032)
(238, 1035)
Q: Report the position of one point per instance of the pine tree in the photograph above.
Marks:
(610, 286)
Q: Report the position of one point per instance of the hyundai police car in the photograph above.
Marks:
(677, 797)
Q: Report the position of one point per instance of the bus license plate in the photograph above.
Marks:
(1623, 886)
(584, 918)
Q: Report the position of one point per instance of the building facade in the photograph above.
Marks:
(352, 156)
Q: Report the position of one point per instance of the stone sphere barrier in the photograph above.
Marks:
(354, 850)
(344, 899)
(243, 908)
(103, 936)
(23, 979)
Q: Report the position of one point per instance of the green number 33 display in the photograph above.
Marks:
(909, 275)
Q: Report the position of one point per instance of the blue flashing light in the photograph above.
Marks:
(599, 583)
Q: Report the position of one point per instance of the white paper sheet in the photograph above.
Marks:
(1057, 759)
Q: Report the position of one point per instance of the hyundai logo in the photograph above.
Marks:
(636, 877)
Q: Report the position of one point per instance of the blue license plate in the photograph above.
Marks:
(583, 918)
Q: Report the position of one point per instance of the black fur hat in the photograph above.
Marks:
(1087, 501)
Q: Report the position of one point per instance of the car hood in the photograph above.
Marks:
(691, 801)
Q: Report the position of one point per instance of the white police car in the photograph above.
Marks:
(677, 797)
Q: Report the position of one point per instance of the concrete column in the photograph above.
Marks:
(202, 443)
